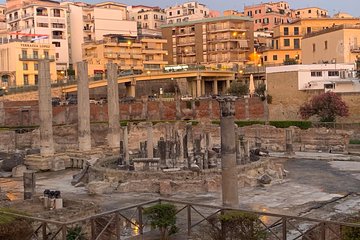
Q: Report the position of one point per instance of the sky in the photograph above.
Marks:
(333, 6)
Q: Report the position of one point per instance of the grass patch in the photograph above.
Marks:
(354, 141)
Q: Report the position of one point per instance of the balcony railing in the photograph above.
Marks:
(192, 219)
(58, 37)
(23, 57)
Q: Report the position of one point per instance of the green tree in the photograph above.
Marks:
(326, 106)
(163, 217)
(238, 88)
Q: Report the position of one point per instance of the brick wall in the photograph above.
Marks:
(25, 113)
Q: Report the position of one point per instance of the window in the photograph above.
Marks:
(46, 54)
(297, 43)
(178, 12)
(333, 73)
(308, 30)
(155, 16)
(36, 79)
(26, 79)
(287, 42)
(57, 44)
(24, 53)
(178, 20)
(36, 54)
(287, 57)
(256, 11)
(57, 55)
(286, 31)
(170, 13)
(309, 11)
(275, 58)
(25, 66)
(316, 73)
(145, 16)
(296, 31)
(265, 58)
(139, 17)
(36, 66)
(314, 47)
(326, 44)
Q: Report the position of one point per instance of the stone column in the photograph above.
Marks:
(215, 87)
(126, 145)
(228, 83)
(257, 138)
(162, 152)
(193, 88)
(228, 153)
(113, 136)
(84, 131)
(29, 184)
(2, 114)
(247, 112)
(189, 144)
(289, 142)
(45, 110)
(198, 86)
(203, 87)
(150, 141)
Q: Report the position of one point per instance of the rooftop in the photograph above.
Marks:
(308, 67)
(206, 20)
(332, 29)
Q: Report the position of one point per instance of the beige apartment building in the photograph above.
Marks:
(340, 44)
(149, 19)
(185, 12)
(19, 62)
(90, 22)
(130, 53)
(215, 42)
(287, 40)
(310, 12)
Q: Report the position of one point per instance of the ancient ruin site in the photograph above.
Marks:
(202, 175)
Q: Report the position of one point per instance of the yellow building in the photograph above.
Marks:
(19, 62)
(146, 54)
(340, 44)
(286, 43)
(310, 12)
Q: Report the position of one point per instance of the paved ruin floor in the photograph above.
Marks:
(315, 188)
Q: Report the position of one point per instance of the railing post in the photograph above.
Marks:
(92, 222)
(284, 228)
(189, 219)
(140, 212)
(117, 226)
(323, 231)
(64, 231)
(44, 234)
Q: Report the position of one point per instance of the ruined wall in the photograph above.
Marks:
(65, 137)
(26, 113)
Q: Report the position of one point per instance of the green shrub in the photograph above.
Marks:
(75, 233)
(14, 227)
(163, 217)
(354, 141)
(286, 124)
(351, 233)
(248, 123)
(235, 225)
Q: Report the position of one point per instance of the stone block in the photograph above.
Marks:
(165, 188)
(18, 171)
(99, 187)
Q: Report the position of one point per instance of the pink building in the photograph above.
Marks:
(268, 15)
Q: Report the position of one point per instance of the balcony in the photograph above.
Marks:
(13, 19)
(58, 37)
(23, 57)
(88, 18)
(28, 15)
(355, 49)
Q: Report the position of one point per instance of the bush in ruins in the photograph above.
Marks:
(326, 106)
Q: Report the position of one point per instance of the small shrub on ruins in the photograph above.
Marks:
(235, 225)
(238, 88)
(326, 106)
(75, 233)
(14, 227)
(354, 141)
(163, 217)
(248, 123)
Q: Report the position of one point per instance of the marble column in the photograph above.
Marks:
(84, 132)
(113, 136)
(45, 110)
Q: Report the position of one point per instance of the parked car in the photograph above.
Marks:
(55, 101)
(186, 98)
(71, 100)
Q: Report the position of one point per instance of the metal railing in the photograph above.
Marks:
(191, 218)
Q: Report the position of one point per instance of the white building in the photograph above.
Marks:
(149, 19)
(90, 23)
(339, 78)
(185, 12)
(41, 19)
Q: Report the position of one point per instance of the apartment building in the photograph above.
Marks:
(214, 42)
(39, 20)
(185, 12)
(268, 15)
(291, 86)
(19, 62)
(130, 53)
(2, 18)
(340, 44)
(90, 23)
(233, 13)
(310, 12)
(287, 40)
(149, 19)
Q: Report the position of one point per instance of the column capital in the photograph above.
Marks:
(227, 106)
